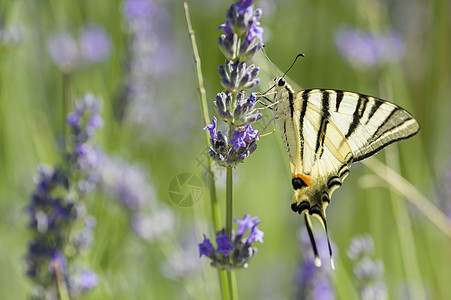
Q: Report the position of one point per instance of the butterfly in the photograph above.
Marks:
(324, 131)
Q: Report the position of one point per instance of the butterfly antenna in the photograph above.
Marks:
(308, 224)
(267, 57)
(292, 64)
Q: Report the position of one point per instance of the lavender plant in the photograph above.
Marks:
(242, 39)
(236, 251)
(368, 272)
(60, 227)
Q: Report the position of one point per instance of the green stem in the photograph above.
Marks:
(233, 290)
(66, 101)
(203, 102)
(229, 201)
(215, 213)
(229, 217)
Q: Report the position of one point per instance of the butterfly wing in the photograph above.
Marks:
(319, 153)
(368, 123)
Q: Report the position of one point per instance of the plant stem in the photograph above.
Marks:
(66, 102)
(233, 290)
(206, 119)
(211, 167)
(412, 194)
(229, 201)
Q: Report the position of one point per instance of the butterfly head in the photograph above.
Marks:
(280, 81)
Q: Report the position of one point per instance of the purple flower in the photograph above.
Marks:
(364, 49)
(251, 134)
(360, 246)
(255, 235)
(212, 128)
(246, 223)
(255, 32)
(357, 46)
(241, 20)
(224, 245)
(63, 50)
(313, 282)
(368, 272)
(86, 280)
(69, 54)
(206, 248)
(95, 44)
(237, 139)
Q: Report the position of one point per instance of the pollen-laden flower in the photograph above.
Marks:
(235, 251)
(230, 153)
(368, 272)
(70, 54)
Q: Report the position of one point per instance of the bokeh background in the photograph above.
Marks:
(140, 63)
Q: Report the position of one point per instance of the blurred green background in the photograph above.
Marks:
(414, 251)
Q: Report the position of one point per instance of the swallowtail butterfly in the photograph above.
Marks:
(324, 131)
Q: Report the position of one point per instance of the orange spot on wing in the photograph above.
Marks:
(303, 177)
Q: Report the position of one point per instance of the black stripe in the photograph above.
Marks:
(373, 110)
(368, 154)
(357, 115)
(376, 134)
(323, 123)
(339, 99)
(333, 181)
(290, 101)
(305, 95)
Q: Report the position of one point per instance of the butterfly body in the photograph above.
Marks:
(324, 131)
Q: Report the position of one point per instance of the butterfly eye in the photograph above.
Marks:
(281, 82)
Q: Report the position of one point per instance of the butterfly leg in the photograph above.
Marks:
(266, 127)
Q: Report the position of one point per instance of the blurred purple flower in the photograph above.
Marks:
(364, 49)
(130, 185)
(81, 282)
(361, 246)
(368, 272)
(11, 35)
(70, 54)
(313, 282)
(95, 44)
(63, 50)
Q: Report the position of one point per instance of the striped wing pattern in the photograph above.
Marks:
(368, 123)
(324, 131)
